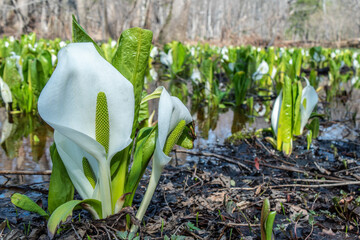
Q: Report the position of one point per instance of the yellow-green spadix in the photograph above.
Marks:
(91, 107)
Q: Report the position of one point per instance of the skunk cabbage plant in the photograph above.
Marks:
(91, 107)
(172, 119)
(5, 93)
(292, 110)
(261, 71)
(100, 148)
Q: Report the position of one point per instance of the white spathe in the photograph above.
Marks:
(196, 75)
(166, 59)
(261, 71)
(68, 104)
(171, 112)
(5, 92)
(154, 52)
(309, 94)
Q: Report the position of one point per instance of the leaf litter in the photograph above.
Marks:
(315, 194)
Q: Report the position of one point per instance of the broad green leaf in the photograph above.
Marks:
(298, 62)
(80, 35)
(264, 214)
(178, 56)
(314, 127)
(284, 135)
(143, 112)
(297, 91)
(269, 225)
(155, 94)
(24, 202)
(61, 189)
(64, 212)
(45, 59)
(144, 149)
(11, 75)
(131, 59)
(309, 139)
(187, 138)
(206, 70)
(38, 79)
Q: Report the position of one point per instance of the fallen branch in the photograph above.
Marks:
(20, 172)
(317, 185)
(236, 161)
(226, 159)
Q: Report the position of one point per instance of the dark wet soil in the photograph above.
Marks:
(218, 194)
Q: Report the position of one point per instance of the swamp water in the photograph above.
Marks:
(25, 140)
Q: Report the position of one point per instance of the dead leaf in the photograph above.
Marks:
(327, 232)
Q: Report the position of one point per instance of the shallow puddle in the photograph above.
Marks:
(25, 141)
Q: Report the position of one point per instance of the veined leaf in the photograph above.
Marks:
(284, 136)
(80, 35)
(144, 149)
(63, 213)
(131, 59)
(61, 189)
(269, 225)
(187, 138)
(155, 94)
(24, 202)
(297, 91)
(178, 56)
(264, 214)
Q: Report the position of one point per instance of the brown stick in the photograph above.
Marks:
(20, 172)
(226, 159)
(235, 161)
(317, 185)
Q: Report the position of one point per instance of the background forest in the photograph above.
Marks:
(261, 22)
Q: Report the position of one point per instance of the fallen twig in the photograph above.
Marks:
(226, 159)
(236, 161)
(317, 185)
(21, 172)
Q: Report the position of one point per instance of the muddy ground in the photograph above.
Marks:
(217, 193)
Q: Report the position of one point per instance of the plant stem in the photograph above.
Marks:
(154, 179)
(105, 189)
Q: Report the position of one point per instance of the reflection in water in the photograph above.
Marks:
(24, 146)
(25, 140)
(239, 120)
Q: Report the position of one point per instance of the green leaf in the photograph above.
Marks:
(61, 189)
(206, 70)
(144, 149)
(272, 141)
(155, 94)
(314, 127)
(38, 79)
(45, 59)
(143, 112)
(187, 138)
(11, 75)
(80, 35)
(24, 202)
(131, 59)
(297, 91)
(178, 56)
(264, 214)
(269, 225)
(309, 139)
(63, 213)
(284, 140)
